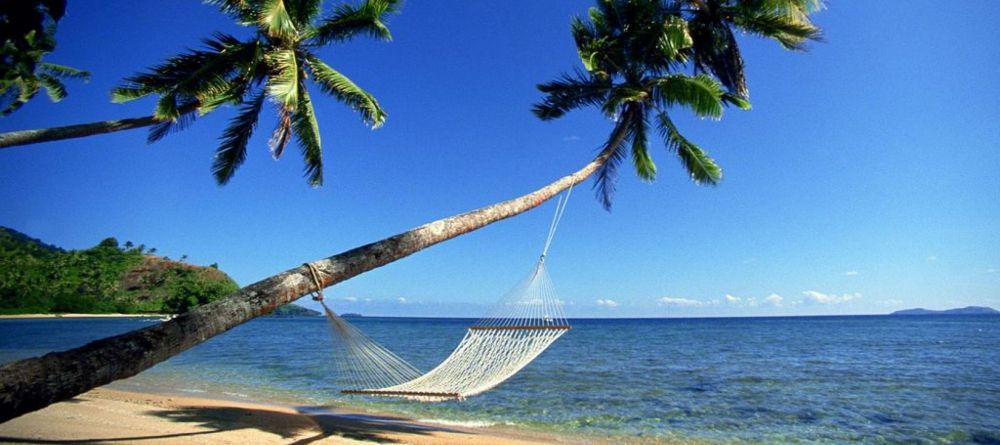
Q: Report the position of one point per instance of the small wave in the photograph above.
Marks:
(191, 390)
(236, 394)
(460, 423)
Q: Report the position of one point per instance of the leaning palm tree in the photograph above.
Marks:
(272, 64)
(624, 40)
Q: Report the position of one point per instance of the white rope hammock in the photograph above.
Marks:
(519, 328)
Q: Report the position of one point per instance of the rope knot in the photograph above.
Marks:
(317, 295)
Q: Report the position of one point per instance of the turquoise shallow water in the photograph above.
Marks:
(872, 379)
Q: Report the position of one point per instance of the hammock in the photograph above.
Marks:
(520, 327)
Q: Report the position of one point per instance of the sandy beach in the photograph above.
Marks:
(113, 416)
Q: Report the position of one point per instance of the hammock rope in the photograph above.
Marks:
(522, 325)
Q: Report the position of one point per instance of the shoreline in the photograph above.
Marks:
(113, 415)
(72, 315)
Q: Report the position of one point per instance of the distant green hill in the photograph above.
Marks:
(40, 278)
(294, 310)
(968, 310)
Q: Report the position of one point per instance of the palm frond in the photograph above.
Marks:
(334, 83)
(281, 134)
(185, 117)
(790, 32)
(645, 168)
(714, 50)
(53, 87)
(307, 133)
(282, 83)
(166, 108)
(674, 38)
(65, 72)
(569, 92)
(702, 168)
(191, 74)
(303, 12)
(232, 150)
(700, 93)
(242, 10)
(607, 174)
(23, 89)
(274, 19)
(349, 21)
(736, 101)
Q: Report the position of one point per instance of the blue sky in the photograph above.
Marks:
(864, 180)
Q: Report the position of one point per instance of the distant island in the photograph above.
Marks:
(39, 278)
(968, 310)
(294, 310)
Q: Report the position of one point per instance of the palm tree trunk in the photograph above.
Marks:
(26, 137)
(35, 383)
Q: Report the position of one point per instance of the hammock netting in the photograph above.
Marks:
(521, 326)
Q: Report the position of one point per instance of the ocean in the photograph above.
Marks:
(870, 379)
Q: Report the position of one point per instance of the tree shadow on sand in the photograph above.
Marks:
(310, 419)
(317, 420)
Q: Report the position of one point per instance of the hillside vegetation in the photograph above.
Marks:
(39, 278)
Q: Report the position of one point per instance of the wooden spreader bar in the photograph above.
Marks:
(380, 392)
(536, 327)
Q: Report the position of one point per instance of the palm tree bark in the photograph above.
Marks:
(35, 383)
(26, 137)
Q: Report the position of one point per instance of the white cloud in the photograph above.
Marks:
(607, 302)
(774, 299)
(351, 299)
(368, 300)
(851, 273)
(401, 300)
(731, 299)
(681, 302)
(992, 270)
(822, 298)
(932, 258)
(890, 303)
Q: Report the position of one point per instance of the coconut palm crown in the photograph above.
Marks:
(27, 35)
(643, 57)
(273, 64)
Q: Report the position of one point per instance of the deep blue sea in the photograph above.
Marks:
(871, 379)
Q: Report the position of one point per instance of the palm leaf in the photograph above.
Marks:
(645, 168)
(23, 89)
(307, 133)
(186, 116)
(166, 108)
(53, 87)
(570, 92)
(702, 94)
(334, 83)
(607, 174)
(64, 71)
(233, 149)
(194, 73)
(790, 32)
(302, 12)
(282, 84)
(736, 101)
(273, 18)
(349, 21)
(242, 10)
(703, 169)
(281, 134)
